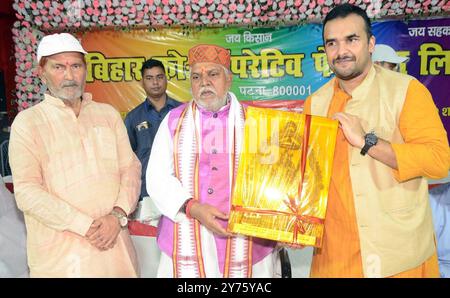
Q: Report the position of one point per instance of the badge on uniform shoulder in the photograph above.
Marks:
(142, 125)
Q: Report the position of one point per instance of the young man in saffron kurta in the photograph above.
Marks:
(378, 221)
(75, 175)
(190, 174)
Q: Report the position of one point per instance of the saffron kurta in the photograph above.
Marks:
(340, 255)
(68, 171)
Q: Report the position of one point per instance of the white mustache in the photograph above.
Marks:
(204, 89)
(69, 84)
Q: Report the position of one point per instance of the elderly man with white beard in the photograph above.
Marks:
(75, 176)
(190, 173)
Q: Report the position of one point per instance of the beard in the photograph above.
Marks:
(212, 105)
(69, 90)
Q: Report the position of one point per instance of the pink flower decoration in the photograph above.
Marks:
(203, 10)
(233, 7)
(165, 2)
(312, 4)
(95, 3)
(325, 10)
(257, 12)
(174, 9)
(89, 11)
(150, 2)
(282, 4)
(187, 9)
(302, 9)
(25, 104)
(297, 3)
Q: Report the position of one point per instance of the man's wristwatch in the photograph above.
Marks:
(123, 220)
(370, 140)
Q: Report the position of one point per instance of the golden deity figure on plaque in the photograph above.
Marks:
(282, 182)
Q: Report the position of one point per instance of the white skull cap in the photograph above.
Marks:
(58, 43)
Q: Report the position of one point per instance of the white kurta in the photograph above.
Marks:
(169, 195)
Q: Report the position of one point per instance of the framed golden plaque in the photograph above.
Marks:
(281, 186)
